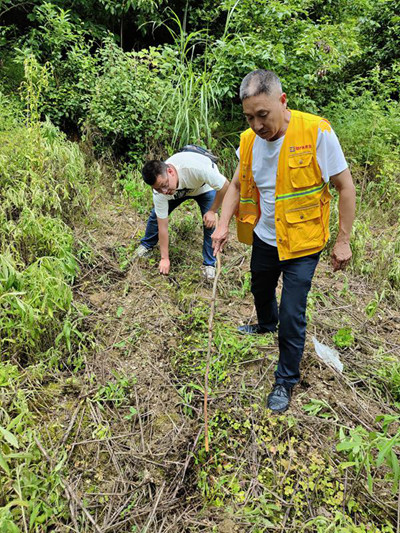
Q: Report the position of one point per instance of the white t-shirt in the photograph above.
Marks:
(197, 174)
(330, 159)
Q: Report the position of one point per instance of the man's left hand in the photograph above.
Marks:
(341, 255)
(209, 219)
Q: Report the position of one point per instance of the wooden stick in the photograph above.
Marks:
(210, 338)
(153, 512)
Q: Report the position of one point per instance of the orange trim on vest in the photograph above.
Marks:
(302, 198)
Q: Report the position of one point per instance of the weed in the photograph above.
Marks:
(245, 286)
(343, 338)
(135, 189)
(341, 523)
(33, 492)
(84, 253)
(191, 96)
(373, 305)
(389, 373)
(9, 374)
(361, 446)
(320, 408)
(114, 392)
(187, 393)
(125, 255)
(230, 348)
(132, 413)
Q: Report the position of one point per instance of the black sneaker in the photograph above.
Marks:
(252, 329)
(279, 398)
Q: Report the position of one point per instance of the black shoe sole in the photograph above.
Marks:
(278, 411)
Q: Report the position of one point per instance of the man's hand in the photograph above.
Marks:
(209, 219)
(219, 238)
(341, 255)
(164, 266)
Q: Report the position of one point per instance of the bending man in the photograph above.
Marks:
(281, 196)
(183, 176)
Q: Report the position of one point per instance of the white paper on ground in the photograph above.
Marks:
(330, 356)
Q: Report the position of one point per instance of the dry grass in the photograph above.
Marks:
(136, 464)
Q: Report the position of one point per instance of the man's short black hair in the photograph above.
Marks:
(152, 169)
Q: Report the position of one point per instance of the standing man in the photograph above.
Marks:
(281, 198)
(183, 176)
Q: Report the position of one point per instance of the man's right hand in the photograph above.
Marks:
(164, 266)
(219, 238)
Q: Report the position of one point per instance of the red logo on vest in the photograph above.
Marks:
(297, 148)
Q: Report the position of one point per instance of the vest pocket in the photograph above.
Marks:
(301, 171)
(245, 225)
(304, 228)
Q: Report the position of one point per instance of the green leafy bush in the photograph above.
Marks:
(124, 108)
(282, 36)
(65, 46)
(42, 187)
(368, 129)
(30, 491)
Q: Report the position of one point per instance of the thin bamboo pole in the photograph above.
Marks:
(210, 339)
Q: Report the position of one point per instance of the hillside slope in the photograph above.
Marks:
(131, 415)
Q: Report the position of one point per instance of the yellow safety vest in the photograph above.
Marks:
(302, 198)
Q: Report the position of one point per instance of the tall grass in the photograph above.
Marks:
(191, 97)
(368, 130)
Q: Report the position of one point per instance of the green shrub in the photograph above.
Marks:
(368, 127)
(282, 36)
(30, 491)
(65, 46)
(43, 185)
(126, 100)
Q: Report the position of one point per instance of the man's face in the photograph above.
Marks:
(265, 114)
(166, 183)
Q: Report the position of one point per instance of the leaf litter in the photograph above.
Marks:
(135, 445)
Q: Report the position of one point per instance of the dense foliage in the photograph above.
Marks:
(44, 186)
(316, 48)
(131, 79)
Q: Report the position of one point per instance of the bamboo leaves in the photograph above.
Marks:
(369, 451)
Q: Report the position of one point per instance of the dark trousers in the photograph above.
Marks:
(204, 201)
(291, 316)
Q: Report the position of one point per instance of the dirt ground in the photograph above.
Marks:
(132, 447)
